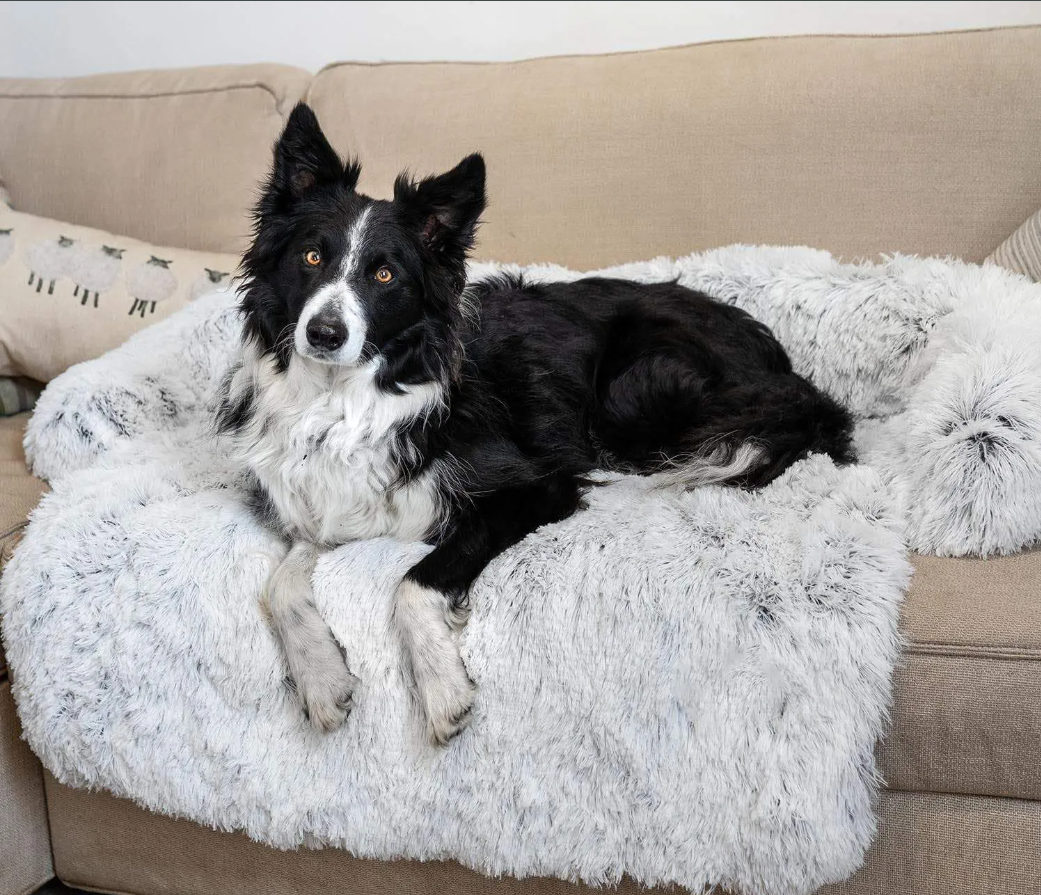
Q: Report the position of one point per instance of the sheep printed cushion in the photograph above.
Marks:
(72, 293)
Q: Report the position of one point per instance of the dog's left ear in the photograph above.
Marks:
(447, 208)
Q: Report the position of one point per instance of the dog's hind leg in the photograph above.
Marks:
(431, 603)
(317, 664)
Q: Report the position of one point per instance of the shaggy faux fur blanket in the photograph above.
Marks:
(681, 687)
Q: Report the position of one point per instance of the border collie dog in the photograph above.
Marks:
(378, 394)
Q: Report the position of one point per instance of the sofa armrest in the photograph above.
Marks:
(25, 841)
(20, 491)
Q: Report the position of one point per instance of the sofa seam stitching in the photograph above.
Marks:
(944, 649)
(195, 91)
(685, 46)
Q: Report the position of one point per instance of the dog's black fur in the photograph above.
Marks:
(540, 384)
(560, 379)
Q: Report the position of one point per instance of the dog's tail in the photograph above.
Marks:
(755, 432)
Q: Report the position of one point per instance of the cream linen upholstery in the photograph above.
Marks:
(167, 157)
(967, 715)
(858, 145)
(19, 493)
(927, 843)
(855, 144)
(977, 607)
(25, 848)
(25, 851)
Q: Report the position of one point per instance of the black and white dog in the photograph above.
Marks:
(380, 395)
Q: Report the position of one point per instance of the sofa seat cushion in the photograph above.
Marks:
(20, 491)
(967, 703)
(927, 845)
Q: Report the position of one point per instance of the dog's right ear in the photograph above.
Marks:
(304, 159)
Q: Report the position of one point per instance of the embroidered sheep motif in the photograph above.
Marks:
(95, 269)
(207, 281)
(150, 283)
(49, 262)
(6, 244)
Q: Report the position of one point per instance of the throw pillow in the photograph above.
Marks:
(1021, 252)
(72, 293)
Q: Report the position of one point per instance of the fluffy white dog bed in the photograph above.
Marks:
(680, 687)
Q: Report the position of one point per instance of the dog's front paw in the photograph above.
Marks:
(447, 699)
(325, 690)
(328, 699)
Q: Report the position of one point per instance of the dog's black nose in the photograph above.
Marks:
(326, 332)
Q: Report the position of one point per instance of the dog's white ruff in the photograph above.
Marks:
(339, 493)
(681, 687)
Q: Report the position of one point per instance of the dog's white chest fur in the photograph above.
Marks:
(321, 443)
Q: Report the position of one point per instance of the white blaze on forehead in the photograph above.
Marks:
(355, 241)
(339, 299)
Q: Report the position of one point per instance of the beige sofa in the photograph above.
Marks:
(925, 144)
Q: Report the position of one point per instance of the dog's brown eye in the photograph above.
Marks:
(384, 275)
(313, 258)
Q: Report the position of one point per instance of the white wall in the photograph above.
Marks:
(40, 39)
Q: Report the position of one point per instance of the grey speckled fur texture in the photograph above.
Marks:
(681, 687)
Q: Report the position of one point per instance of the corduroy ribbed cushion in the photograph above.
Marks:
(1021, 252)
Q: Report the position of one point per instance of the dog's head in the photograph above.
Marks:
(339, 278)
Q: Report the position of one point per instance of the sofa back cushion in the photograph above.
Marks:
(859, 145)
(168, 157)
(921, 143)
